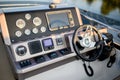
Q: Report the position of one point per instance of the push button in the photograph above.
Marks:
(64, 51)
(53, 55)
(59, 41)
(39, 59)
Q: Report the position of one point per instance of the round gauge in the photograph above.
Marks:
(43, 29)
(37, 21)
(18, 33)
(20, 23)
(35, 30)
(27, 32)
(28, 16)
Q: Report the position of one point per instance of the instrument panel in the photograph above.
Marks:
(27, 25)
(37, 38)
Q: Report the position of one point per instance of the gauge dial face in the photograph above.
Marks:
(27, 32)
(20, 23)
(28, 16)
(35, 30)
(43, 29)
(18, 33)
(37, 21)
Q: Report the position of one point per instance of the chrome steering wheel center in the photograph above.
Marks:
(86, 42)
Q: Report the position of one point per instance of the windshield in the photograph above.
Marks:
(108, 8)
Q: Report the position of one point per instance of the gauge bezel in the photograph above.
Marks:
(37, 23)
(28, 16)
(21, 25)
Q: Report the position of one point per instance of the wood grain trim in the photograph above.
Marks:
(79, 17)
(4, 29)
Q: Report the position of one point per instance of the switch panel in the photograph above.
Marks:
(53, 55)
(25, 63)
(59, 41)
(64, 51)
(39, 59)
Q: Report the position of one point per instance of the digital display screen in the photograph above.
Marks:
(58, 20)
(47, 42)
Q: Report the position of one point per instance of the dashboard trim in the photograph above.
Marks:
(79, 17)
(4, 29)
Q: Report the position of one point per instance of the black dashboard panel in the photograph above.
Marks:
(27, 28)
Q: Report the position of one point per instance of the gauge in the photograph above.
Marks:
(20, 23)
(37, 21)
(35, 30)
(27, 32)
(43, 29)
(28, 16)
(18, 33)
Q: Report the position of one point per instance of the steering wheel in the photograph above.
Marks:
(87, 43)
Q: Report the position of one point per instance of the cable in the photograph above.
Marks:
(91, 73)
(112, 59)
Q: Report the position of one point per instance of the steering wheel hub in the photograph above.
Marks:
(85, 42)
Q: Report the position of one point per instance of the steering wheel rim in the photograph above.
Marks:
(77, 51)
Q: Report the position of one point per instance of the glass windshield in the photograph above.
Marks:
(108, 8)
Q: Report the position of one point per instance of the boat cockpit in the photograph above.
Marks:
(56, 43)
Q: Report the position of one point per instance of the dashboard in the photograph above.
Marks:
(39, 37)
(36, 37)
(40, 42)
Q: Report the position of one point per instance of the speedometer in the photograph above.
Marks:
(20, 23)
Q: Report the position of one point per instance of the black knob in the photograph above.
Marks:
(21, 50)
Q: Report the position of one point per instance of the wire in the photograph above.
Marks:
(91, 73)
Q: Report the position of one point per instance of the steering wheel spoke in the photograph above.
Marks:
(99, 43)
(88, 31)
(93, 44)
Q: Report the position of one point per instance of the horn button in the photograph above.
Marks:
(86, 42)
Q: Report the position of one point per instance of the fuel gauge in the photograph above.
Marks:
(37, 21)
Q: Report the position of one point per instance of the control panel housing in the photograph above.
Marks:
(37, 38)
